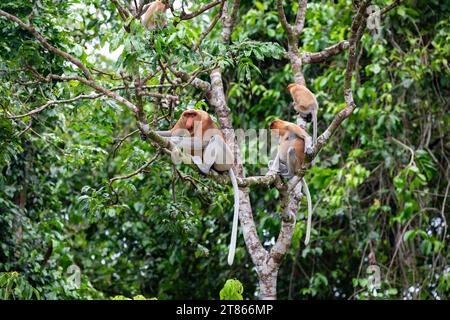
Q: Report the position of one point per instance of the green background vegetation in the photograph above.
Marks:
(380, 186)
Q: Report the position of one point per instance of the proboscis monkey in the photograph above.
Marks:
(305, 103)
(290, 157)
(154, 15)
(196, 131)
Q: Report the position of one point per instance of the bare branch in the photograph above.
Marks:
(292, 37)
(123, 139)
(357, 28)
(124, 14)
(27, 128)
(53, 102)
(289, 213)
(316, 57)
(187, 16)
(196, 82)
(286, 26)
(160, 95)
(94, 85)
(228, 20)
(301, 14)
(132, 174)
(388, 8)
(211, 26)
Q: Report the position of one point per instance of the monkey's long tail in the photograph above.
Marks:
(232, 248)
(308, 199)
(314, 126)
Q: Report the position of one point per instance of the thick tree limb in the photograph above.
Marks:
(316, 57)
(229, 20)
(196, 82)
(282, 15)
(300, 18)
(218, 100)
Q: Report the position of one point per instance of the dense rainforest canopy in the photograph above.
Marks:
(91, 208)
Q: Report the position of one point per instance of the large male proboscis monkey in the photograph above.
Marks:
(290, 157)
(154, 15)
(305, 103)
(196, 132)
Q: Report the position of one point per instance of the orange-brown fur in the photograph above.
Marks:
(291, 135)
(190, 120)
(154, 15)
(304, 100)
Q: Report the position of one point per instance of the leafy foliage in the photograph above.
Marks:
(232, 290)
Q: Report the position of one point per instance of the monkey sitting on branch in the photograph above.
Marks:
(154, 15)
(290, 157)
(305, 103)
(196, 132)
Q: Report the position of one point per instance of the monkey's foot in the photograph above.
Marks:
(309, 151)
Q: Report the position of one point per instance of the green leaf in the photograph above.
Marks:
(232, 290)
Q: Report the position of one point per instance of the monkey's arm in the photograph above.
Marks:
(291, 160)
(308, 144)
(184, 142)
(274, 165)
(167, 133)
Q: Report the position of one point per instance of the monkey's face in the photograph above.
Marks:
(190, 117)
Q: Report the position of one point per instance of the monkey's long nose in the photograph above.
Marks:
(189, 124)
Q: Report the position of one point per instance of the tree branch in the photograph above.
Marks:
(53, 102)
(211, 26)
(316, 57)
(229, 20)
(388, 8)
(284, 23)
(124, 14)
(187, 16)
(357, 28)
(301, 14)
(132, 174)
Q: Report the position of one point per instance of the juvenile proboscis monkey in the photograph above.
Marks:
(154, 15)
(305, 103)
(196, 132)
(290, 157)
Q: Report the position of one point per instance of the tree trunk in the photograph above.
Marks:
(268, 284)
